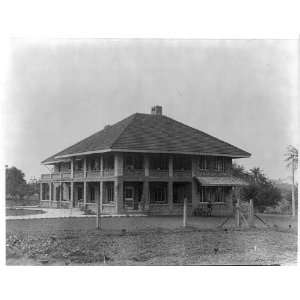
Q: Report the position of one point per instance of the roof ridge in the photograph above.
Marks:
(132, 117)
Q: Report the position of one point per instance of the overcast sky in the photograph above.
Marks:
(61, 91)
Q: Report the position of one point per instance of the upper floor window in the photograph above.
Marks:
(159, 162)
(95, 164)
(108, 161)
(203, 163)
(220, 164)
(133, 162)
(79, 165)
(182, 163)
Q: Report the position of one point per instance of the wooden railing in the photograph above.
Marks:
(158, 173)
(182, 173)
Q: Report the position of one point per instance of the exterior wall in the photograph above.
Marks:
(119, 175)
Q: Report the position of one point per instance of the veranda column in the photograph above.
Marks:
(170, 166)
(72, 194)
(60, 194)
(146, 165)
(84, 193)
(194, 183)
(50, 193)
(118, 195)
(101, 196)
(72, 167)
(84, 167)
(146, 194)
(101, 165)
(118, 165)
(41, 191)
(170, 195)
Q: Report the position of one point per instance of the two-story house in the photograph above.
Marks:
(145, 163)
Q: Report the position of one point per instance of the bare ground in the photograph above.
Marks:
(149, 241)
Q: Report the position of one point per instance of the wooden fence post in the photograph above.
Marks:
(184, 211)
(237, 210)
(251, 213)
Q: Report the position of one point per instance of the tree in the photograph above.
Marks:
(260, 189)
(292, 162)
(16, 186)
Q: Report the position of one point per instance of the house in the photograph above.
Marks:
(144, 163)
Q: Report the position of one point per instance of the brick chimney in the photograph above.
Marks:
(156, 110)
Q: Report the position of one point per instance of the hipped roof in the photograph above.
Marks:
(150, 133)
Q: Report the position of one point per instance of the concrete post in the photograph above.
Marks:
(50, 192)
(41, 191)
(84, 167)
(101, 165)
(170, 195)
(72, 167)
(101, 196)
(185, 200)
(84, 193)
(194, 166)
(146, 194)
(72, 194)
(118, 195)
(171, 172)
(251, 213)
(60, 193)
(146, 164)
(118, 165)
(237, 211)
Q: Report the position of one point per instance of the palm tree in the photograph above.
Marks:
(292, 162)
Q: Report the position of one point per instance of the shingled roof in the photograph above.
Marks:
(150, 133)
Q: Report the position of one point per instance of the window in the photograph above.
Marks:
(133, 162)
(108, 162)
(202, 163)
(108, 192)
(159, 162)
(80, 193)
(220, 194)
(94, 164)
(220, 164)
(158, 192)
(92, 194)
(182, 163)
(79, 165)
(212, 194)
(181, 190)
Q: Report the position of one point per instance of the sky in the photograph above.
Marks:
(60, 91)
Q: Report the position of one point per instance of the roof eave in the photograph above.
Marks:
(150, 151)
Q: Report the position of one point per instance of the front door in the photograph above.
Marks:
(129, 197)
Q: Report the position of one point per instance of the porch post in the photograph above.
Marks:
(72, 167)
(170, 195)
(170, 166)
(118, 164)
(84, 167)
(118, 195)
(101, 165)
(60, 193)
(146, 164)
(84, 193)
(101, 196)
(72, 194)
(50, 192)
(41, 191)
(146, 194)
(237, 211)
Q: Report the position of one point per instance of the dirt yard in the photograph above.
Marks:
(149, 241)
